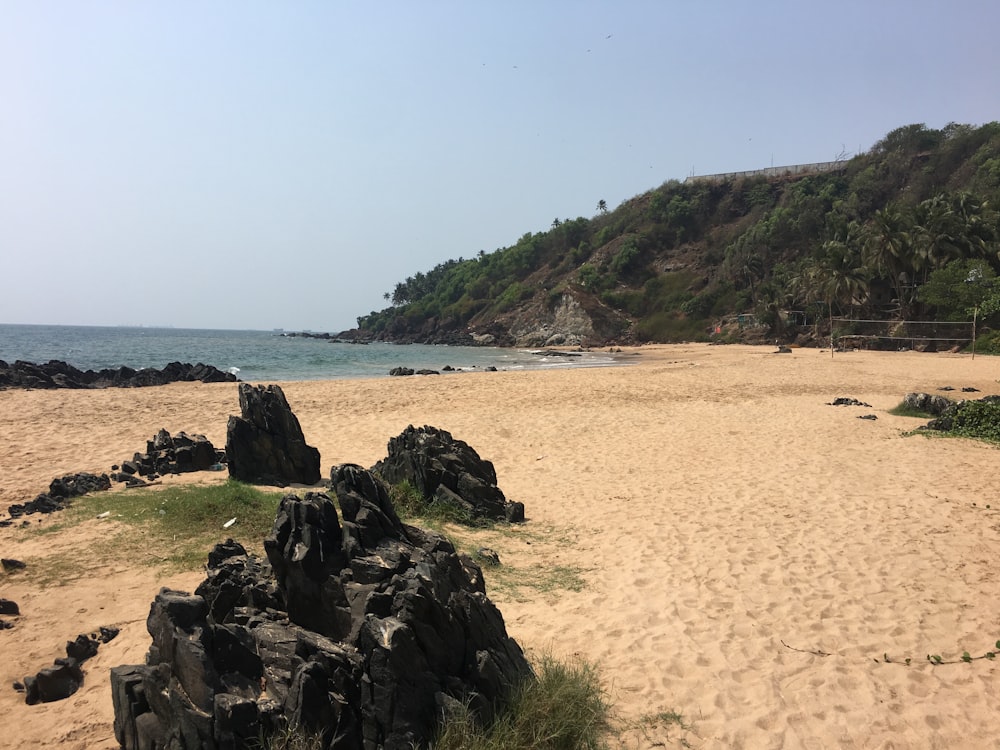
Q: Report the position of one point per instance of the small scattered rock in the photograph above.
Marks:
(488, 557)
(868, 416)
(8, 607)
(844, 401)
(66, 675)
(10, 564)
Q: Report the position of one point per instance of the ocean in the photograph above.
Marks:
(257, 356)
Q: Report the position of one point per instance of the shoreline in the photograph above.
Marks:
(700, 526)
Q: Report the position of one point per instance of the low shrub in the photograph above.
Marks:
(565, 708)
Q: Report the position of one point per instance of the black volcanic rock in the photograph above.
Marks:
(58, 374)
(266, 445)
(61, 491)
(65, 676)
(167, 454)
(444, 469)
(406, 629)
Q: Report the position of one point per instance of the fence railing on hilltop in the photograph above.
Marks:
(787, 171)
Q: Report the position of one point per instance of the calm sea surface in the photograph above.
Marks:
(258, 355)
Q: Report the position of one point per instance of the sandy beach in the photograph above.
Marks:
(703, 527)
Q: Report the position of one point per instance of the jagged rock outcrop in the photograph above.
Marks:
(362, 632)
(266, 444)
(58, 374)
(177, 454)
(61, 491)
(447, 470)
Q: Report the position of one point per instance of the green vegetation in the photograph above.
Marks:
(172, 526)
(897, 233)
(938, 660)
(978, 419)
(565, 708)
(903, 409)
(410, 504)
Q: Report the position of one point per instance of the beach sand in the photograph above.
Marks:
(702, 526)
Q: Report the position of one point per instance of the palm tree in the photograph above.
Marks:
(602, 206)
(842, 277)
(887, 247)
(937, 235)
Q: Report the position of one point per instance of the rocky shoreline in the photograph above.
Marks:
(58, 374)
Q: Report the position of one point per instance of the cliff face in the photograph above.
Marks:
(568, 322)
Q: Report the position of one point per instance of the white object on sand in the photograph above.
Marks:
(229, 523)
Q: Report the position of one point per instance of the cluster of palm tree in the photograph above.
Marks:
(898, 247)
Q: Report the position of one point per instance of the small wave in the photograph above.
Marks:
(233, 370)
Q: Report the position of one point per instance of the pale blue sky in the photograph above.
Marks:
(282, 164)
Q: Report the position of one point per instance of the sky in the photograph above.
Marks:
(260, 165)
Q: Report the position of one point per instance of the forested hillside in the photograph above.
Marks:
(908, 230)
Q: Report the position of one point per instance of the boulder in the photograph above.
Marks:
(357, 631)
(928, 403)
(65, 676)
(266, 444)
(447, 470)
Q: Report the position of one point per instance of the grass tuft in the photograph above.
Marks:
(905, 410)
(564, 709)
(411, 505)
(291, 738)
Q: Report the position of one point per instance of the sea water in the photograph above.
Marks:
(256, 356)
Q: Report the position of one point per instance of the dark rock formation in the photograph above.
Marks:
(171, 455)
(846, 401)
(9, 607)
(65, 676)
(928, 403)
(266, 445)
(447, 470)
(10, 564)
(401, 371)
(61, 491)
(363, 633)
(59, 374)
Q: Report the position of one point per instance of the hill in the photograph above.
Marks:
(734, 257)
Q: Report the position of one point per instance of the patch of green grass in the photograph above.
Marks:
(176, 526)
(565, 708)
(905, 410)
(518, 583)
(414, 508)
